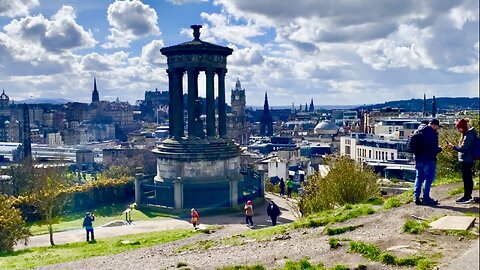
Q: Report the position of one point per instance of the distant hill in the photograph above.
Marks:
(43, 101)
(416, 105)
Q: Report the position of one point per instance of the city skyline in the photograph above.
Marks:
(336, 53)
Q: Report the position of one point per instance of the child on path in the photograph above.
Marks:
(249, 213)
(87, 224)
(195, 218)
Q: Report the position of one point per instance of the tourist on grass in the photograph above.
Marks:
(426, 162)
(465, 151)
(273, 211)
(195, 218)
(282, 187)
(289, 188)
(87, 224)
(249, 213)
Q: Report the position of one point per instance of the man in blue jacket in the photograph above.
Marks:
(426, 162)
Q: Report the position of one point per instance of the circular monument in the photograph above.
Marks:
(197, 167)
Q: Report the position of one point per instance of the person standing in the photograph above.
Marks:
(282, 187)
(289, 188)
(249, 213)
(88, 225)
(195, 218)
(273, 211)
(426, 163)
(465, 156)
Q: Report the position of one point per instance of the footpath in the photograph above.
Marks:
(144, 226)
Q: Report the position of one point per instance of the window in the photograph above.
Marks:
(392, 156)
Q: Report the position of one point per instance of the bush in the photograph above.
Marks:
(12, 226)
(347, 182)
(392, 203)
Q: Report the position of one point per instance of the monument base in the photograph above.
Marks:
(203, 173)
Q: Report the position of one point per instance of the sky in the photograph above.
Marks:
(338, 52)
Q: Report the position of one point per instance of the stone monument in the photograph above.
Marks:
(201, 169)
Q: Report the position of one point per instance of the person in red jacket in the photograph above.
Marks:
(249, 213)
(195, 218)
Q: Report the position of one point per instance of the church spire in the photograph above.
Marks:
(95, 96)
(265, 105)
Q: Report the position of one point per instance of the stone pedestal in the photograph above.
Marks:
(203, 173)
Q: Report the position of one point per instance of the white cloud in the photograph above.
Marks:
(246, 57)
(130, 20)
(14, 8)
(58, 34)
(151, 53)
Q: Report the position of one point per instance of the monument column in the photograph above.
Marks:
(210, 103)
(192, 97)
(178, 192)
(176, 103)
(222, 110)
(171, 117)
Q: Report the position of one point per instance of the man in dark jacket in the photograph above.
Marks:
(426, 162)
(273, 211)
(87, 224)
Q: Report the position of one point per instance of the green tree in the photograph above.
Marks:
(51, 194)
(12, 226)
(347, 182)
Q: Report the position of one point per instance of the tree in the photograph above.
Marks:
(12, 226)
(347, 182)
(51, 194)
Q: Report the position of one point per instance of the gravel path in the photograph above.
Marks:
(382, 229)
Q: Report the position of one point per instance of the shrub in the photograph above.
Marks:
(12, 226)
(347, 182)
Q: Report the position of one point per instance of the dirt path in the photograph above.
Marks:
(382, 229)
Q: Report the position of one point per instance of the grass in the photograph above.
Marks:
(336, 231)
(103, 215)
(40, 256)
(373, 253)
(266, 233)
(460, 190)
(290, 265)
(392, 202)
(415, 227)
(334, 216)
(200, 245)
(334, 243)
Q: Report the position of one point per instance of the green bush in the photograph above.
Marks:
(12, 226)
(347, 182)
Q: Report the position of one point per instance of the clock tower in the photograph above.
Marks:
(237, 124)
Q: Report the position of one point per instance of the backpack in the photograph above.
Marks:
(414, 142)
(476, 148)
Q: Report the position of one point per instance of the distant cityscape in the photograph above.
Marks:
(105, 131)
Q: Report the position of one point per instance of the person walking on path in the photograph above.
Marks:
(273, 211)
(426, 162)
(465, 156)
(289, 188)
(195, 218)
(282, 187)
(249, 213)
(87, 224)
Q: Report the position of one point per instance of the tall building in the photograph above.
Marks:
(312, 107)
(434, 107)
(424, 111)
(95, 96)
(266, 123)
(237, 122)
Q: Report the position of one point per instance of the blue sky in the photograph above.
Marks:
(336, 52)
